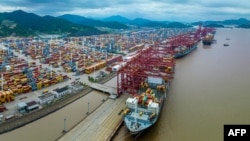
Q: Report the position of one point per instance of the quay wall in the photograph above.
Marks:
(18, 122)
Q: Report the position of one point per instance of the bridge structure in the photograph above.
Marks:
(112, 91)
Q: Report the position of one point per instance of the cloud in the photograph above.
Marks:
(181, 10)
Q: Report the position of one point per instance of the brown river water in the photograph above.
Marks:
(210, 89)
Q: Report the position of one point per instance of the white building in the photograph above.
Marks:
(22, 106)
(32, 105)
(59, 92)
(46, 98)
(77, 87)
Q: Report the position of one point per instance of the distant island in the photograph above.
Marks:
(239, 23)
(244, 26)
(215, 25)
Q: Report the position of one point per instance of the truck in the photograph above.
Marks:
(9, 117)
(2, 108)
(45, 91)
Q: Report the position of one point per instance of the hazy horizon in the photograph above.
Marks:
(160, 10)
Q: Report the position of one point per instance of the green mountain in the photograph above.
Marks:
(215, 25)
(247, 25)
(238, 22)
(177, 25)
(20, 23)
(91, 22)
(116, 18)
(118, 22)
(140, 22)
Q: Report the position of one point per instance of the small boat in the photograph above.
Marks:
(226, 44)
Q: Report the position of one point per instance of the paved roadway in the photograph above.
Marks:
(99, 125)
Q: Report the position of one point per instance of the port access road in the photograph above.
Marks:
(102, 124)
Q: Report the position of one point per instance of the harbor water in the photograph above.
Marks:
(210, 89)
(50, 127)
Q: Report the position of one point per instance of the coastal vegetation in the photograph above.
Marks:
(215, 25)
(20, 23)
(244, 25)
(92, 22)
(239, 23)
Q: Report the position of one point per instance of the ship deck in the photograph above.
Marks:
(137, 115)
(99, 125)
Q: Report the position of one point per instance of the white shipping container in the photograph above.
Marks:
(116, 67)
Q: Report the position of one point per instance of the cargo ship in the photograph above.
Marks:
(208, 39)
(143, 110)
(183, 51)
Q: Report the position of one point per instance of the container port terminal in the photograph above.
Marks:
(38, 72)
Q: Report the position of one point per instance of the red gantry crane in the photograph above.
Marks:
(155, 60)
(151, 60)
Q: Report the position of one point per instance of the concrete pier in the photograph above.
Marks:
(106, 89)
(100, 125)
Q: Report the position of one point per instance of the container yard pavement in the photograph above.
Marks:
(27, 118)
(102, 124)
(12, 106)
(19, 121)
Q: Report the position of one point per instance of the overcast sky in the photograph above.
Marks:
(169, 10)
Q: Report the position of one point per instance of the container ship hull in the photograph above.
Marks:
(208, 39)
(185, 52)
(143, 110)
(206, 42)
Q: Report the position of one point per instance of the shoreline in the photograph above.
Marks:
(21, 121)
